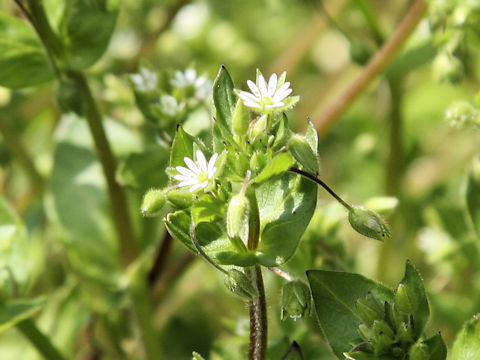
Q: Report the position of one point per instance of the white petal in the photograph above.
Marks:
(198, 186)
(191, 165)
(272, 84)
(252, 104)
(187, 183)
(262, 86)
(211, 164)
(184, 171)
(211, 173)
(190, 75)
(246, 96)
(254, 88)
(201, 161)
(184, 178)
(279, 96)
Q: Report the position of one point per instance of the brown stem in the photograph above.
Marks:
(374, 67)
(160, 260)
(258, 317)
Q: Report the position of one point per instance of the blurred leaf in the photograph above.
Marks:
(85, 29)
(144, 170)
(12, 312)
(467, 343)
(23, 61)
(275, 167)
(334, 294)
(410, 298)
(224, 98)
(294, 353)
(412, 58)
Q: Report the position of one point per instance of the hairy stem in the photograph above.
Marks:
(258, 317)
(374, 67)
(39, 340)
(322, 184)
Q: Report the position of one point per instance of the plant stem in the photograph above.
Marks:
(201, 252)
(258, 317)
(322, 184)
(280, 273)
(160, 259)
(39, 340)
(374, 67)
(16, 146)
(118, 199)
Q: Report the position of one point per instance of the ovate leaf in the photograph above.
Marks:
(467, 343)
(275, 167)
(334, 295)
(224, 98)
(23, 61)
(437, 348)
(12, 312)
(182, 147)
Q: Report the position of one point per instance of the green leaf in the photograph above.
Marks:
(437, 348)
(275, 167)
(12, 312)
(142, 171)
(224, 98)
(182, 147)
(410, 298)
(473, 194)
(311, 136)
(85, 29)
(294, 352)
(467, 343)
(334, 294)
(286, 205)
(23, 61)
(207, 209)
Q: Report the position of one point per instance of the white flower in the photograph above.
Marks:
(190, 79)
(267, 97)
(197, 174)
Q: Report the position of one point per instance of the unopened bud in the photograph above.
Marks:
(419, 351)
(240, 119)
(447, 68)
(296, 300)
(369, 309)
(239, 284)
(368, 223)
(257, 128)
(238, 213)
(380, 327)
(303, 153)
(180, 198)
(153, 202)
(258, 161)
(197, 356)
(405, 333)
(365, 333)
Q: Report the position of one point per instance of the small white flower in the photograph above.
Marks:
(190, 79)
(267, 97)
(199, 174)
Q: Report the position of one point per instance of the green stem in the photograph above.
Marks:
(258, 317)
(118, 199)
(15, 145)
(39, 340)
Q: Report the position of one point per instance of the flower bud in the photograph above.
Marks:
(258, 161)
(197, 356)
(180, 198)
(365, 333)
(240, 119)
(405, 333)
(257, 128)
(238, 213)
(368, 223)
(380, 327)
(153, 202)
(369, 309)
(239, 284)
(296, 300)
(419, 351)
(303, 153)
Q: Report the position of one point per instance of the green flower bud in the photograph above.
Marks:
(303, 153)
(239, 284)
(405, 333)
(360, 53)
(69, 97)
(296, 300)
(238, 213)
(240, 119)
(153, 202)
(369, 309)
(282, 133)
(257, 128)
(447, 68)
(197, 356)
(368, 223)
(258, 161)
(419, 351)
(180, 198)
(380, 327)
(382, 344)
(365, 333)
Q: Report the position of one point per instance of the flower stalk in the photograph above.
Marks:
(258, 317)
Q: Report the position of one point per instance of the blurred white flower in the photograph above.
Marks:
(268, 97)
(190, 79)
(198, 174)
